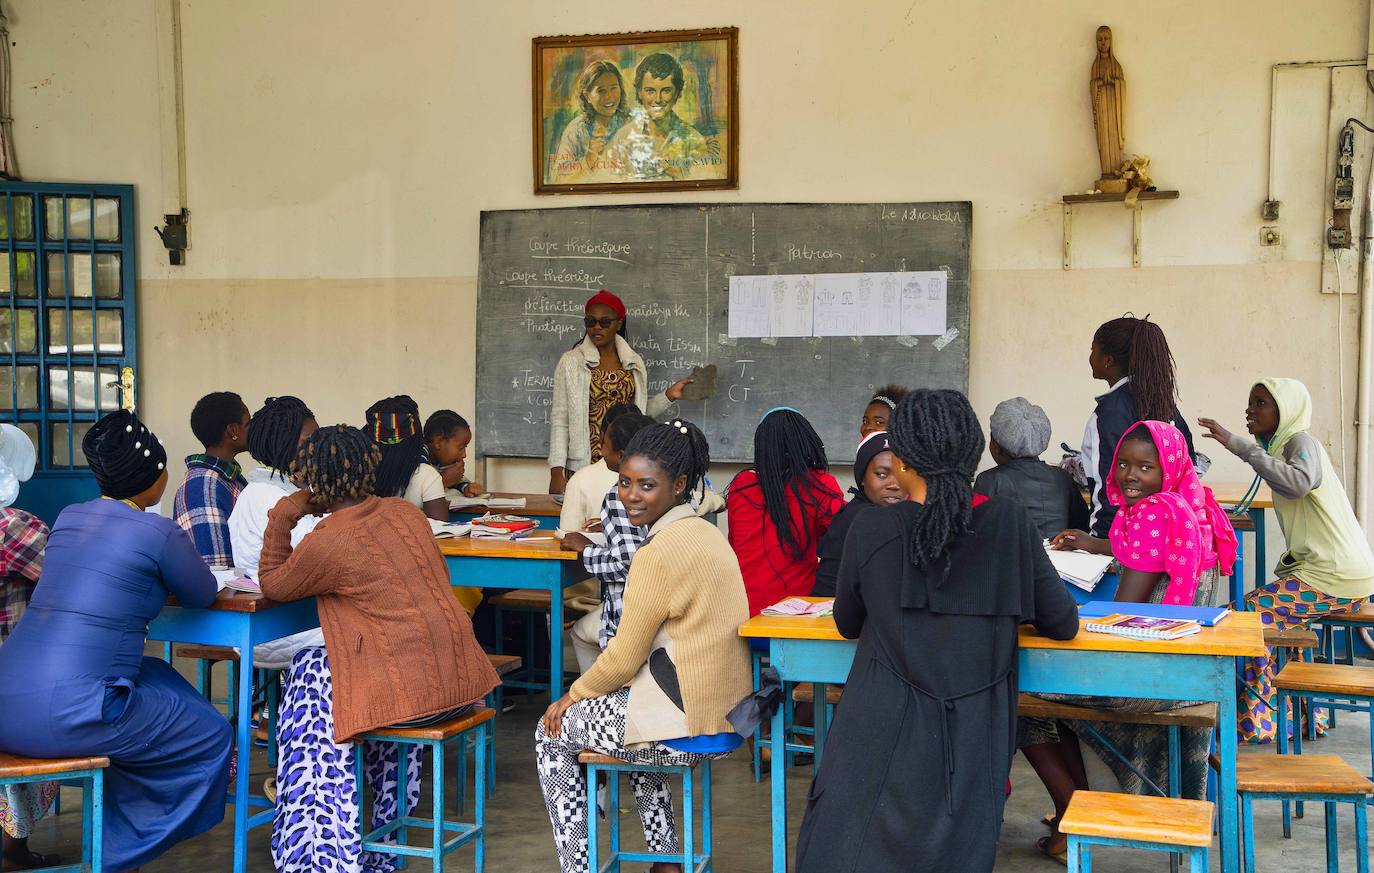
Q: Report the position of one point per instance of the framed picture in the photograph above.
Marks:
(636, 112)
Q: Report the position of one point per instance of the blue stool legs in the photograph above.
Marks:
(694, 779)
(1080, 852)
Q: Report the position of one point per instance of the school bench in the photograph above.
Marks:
(90, 772)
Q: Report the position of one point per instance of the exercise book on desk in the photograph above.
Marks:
(1142, 627)
(457, 502)
(597, 538)
(445, 529)
(1206, 616)
(800, 606)
(1078, 568)
(500, 527)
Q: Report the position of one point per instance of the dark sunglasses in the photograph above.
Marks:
(589, 321)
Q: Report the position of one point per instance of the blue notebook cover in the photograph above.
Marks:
(1207, 616)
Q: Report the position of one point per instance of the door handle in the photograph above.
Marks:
(125, 384)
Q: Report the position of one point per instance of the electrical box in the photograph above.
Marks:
(1270, 236)
(1270, 210)
(1337, 238)
(1344, 194)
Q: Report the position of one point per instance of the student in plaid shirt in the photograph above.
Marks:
(22, 540)
(213, 479)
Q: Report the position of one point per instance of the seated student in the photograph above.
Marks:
(1327, 568)
(394, 425)
(880, 407)
(609, 562)
(1173, 543)
(875, 484)
(1019, 434)
(780, 508)
(447, 437)
(22, 540)
(402, 651)
(685, 599)
(916, 763)
(213, 479)
(73, 678)
(585, 491)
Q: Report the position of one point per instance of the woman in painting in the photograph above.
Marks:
(582, 152)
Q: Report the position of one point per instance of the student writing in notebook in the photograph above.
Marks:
(1173, 543)
(1327, 567)
(447, 437)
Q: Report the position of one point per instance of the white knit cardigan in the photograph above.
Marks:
(569, 433)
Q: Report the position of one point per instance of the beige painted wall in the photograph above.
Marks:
(339, 154)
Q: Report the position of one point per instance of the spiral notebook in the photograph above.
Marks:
(1142, 627)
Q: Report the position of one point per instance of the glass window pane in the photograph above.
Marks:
(62, 455)
(30, 428)
(75, 338)
(28, 387)
(108, 281)
(107, 278)
(23, 217)
(106, 218)
(53, 224)
(26, 343)
(23, 275)
(55, 282)
(90, 385)
(109, 330)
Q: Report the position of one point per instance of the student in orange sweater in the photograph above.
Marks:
(684, 603)
(386, 610)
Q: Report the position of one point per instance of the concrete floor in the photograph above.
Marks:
(519, 840)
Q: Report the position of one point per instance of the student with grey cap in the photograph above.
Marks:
(1020, 433)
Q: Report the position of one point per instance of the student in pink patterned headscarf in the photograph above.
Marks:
(1169, 530)
(1173, 543)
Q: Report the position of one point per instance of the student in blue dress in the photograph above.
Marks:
(73, 679)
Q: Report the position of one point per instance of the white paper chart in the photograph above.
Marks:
(839, 304)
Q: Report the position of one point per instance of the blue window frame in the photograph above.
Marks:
(68, 335)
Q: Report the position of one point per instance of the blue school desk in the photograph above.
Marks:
(1199, 667)
(542, 509)
(541, 564)
(241, 620)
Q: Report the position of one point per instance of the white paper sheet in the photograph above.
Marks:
(923, 303)
(750, 311)
(905, 304)
(793, 299)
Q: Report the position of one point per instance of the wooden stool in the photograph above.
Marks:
(15, 770)
(693, 777)
(1156, 824)
(433, 737)
(206, 657)
(1202, 715)
(1333, 686)
(1318, 778)
(532, 602)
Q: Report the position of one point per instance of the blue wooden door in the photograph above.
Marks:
(68, 338)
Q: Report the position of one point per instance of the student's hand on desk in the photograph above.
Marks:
(1069, 540)
(553, 716)
(674, 392)
(575, 542)
(473, 489)
(1215, 431)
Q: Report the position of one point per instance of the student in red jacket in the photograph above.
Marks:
(780, 508)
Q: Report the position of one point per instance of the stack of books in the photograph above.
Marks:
(500, 527)
(1080, 569)
(1142, 627)
(801, 606)
(449, 529)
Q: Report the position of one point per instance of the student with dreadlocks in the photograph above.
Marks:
(394, 425)
(1132, 356)
(385, 607)
(780, 508)
(684, 603)
(934, 589)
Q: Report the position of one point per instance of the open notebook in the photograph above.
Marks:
(1080, 569)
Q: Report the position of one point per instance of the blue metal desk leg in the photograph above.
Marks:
(555, 642)
(1261, 568)
(244, 750)
(821, 722)
(1225, 680)
(779, 791)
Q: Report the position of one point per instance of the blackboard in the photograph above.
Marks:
(672, 266)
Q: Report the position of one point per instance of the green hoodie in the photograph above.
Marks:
(1327, 548)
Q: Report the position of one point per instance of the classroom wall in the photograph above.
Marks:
(338, 155)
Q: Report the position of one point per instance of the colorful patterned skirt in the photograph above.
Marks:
(21, 806)
(1285, 603)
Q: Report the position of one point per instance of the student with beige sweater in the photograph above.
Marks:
(684, 603)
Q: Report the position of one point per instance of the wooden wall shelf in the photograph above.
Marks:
(1072, 200)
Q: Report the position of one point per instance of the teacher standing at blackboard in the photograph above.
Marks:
(594, 375)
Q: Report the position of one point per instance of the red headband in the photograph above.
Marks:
(606, 298)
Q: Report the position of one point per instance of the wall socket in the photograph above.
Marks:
(1270, 236)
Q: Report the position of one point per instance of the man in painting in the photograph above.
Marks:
(656, 143)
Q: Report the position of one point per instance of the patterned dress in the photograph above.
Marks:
(22, 539)
(609, 387)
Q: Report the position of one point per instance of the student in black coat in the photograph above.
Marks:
(875, 484)
(916, 764)
(1018, 435)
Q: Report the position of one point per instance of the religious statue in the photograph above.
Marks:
(1108, 90)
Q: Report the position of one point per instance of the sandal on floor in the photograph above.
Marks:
(1055, 847)
(31, 860)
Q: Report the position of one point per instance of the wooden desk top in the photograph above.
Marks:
(535, 504)
(547, 548)
(1239, 634)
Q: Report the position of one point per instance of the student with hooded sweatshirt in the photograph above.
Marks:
(1328, 567)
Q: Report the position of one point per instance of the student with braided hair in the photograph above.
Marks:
(684, 603)
(780, 508)
(447, 437)
(404, 471)
(386, 611)
(1132, 356)
(934, 589)
(275, 432)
